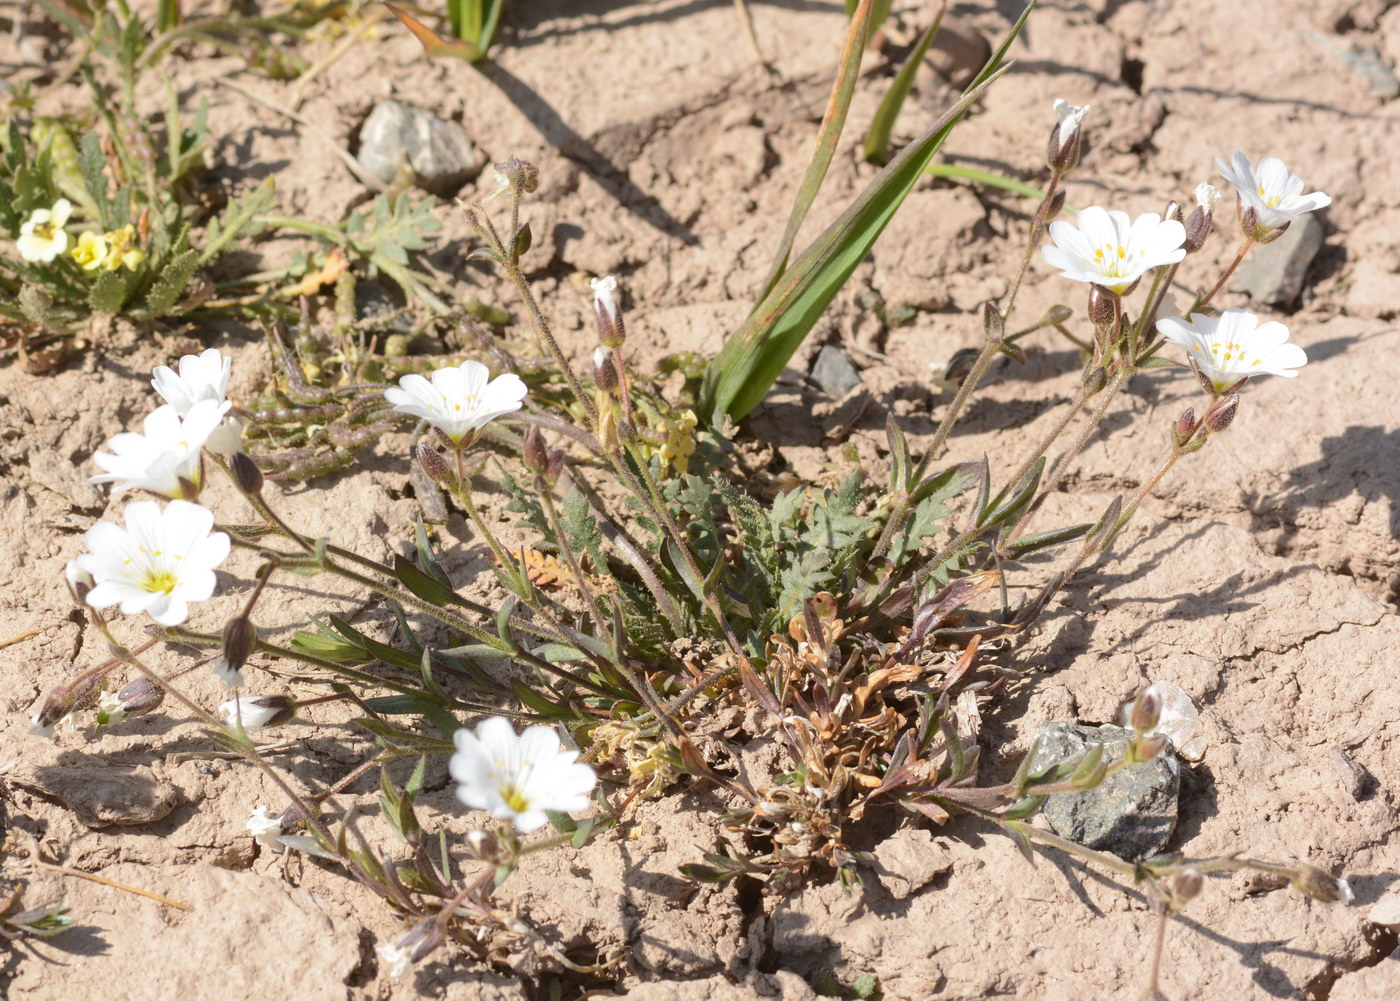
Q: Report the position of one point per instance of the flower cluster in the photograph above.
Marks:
(42, 238)
(161, 559)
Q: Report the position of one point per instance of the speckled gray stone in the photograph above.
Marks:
(1274, 273)
(1131, 814)
(834, 373)
(443, 158)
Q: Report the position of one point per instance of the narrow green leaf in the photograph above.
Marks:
(827, 138)
(167, 289)
(877, 140)
(753, 356)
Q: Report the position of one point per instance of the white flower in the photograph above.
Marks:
(459, 399)
(1275, 193)
(227, 438)
(110, 710)
(1206, 196)
(518, 777)
(41, 236)
(1070, 119)
(1233, 344)
(399, 961)
(202, 377)
(605, 296)
(257, 711)
(265, 830)
(164, 457)
(226, 674)
(158, 563)
(1107, 250)
(38, 729)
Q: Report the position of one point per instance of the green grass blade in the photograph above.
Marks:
(753, 356)
(832, 124)
(877, 140)
(992, 180)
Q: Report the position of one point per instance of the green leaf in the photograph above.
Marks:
(877, 140)
(93, 166)
(108, 292)
(239, 220)
(36, 305)
(167, 289)
(424, 586)
(753, 356)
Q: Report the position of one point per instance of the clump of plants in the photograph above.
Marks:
(857, 626)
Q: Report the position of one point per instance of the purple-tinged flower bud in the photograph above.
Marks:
(1103, 306)
(1067, 138)
(1222, 413)
(1147, 710)
(1172, 212)
(483, 844)
(611, 330)
(534, 452)
(1199, 223)
(960, 365)
(1318, 884)
(240, 639)
(413, 948)
(255, 712)
(554, 467)
(432, 462)
(246, 474)
(64, 700)
(1053, 206)
(1185, 426)
(80, 582)
(1095, 379)
(1058, 314)
(135, 699)
(604, 371)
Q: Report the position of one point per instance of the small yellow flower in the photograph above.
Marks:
(122, 250)
(679, 445)
(91, 251)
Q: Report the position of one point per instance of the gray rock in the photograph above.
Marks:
(1131, 814)
(376, 305)
(100, 796)
(834, 373)
(958, 52)
(1274, 272)
(441, 155)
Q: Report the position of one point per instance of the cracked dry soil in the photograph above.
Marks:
(1262, 579)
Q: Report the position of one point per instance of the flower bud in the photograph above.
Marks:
(1067, 139)
(535, 453)
(1147, 710)
(255, 712)
(80, 582)
(1222, 413)
(993, 323)
(604, 371)
(483, 844)
(135, 699)
(413, 948)
(1172, 213)
(1103, 306)
(1150, 747)
(1053, 206)
(1185, 426)
(960, 365)
(520, 174)
(1187, 885)
(245, 472)
(432, 462)
(1095, 379)
(65, 700)
(1058, 314)
(1316, 883)
(1199, 222)
(611, 331)
(240, 638)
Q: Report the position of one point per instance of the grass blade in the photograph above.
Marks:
(832, 123)
(753, 356)
(877, 140)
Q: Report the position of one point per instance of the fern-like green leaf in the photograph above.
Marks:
(166, 290)
(108, 293)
